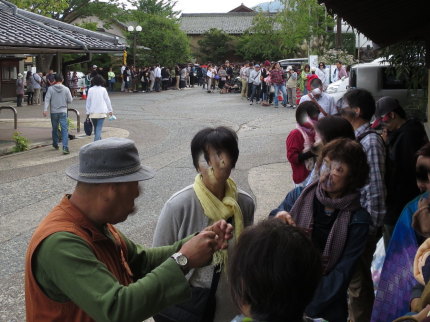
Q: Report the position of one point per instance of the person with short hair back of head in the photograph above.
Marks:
(274, 272)
(79, 267)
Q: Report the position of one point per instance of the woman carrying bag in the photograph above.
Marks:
(98, 105)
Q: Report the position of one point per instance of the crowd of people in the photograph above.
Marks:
(361, 174)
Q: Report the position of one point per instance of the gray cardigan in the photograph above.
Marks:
(181, 216)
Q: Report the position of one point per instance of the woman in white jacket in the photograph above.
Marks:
(98, 105)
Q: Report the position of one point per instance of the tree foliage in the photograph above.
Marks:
(215, 45)
(168, 44)
(43, 7)
(262, 41)
(162, 8)
(299, 29)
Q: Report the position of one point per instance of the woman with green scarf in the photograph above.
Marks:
(212, 197)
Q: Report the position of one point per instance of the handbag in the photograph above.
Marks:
(200, 308)
(88, 126)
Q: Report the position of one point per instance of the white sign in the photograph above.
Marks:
(313, 61)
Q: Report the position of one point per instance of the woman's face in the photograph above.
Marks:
(334, 177)
(218, 168)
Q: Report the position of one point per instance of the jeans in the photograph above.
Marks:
(60, 119)
(255, 93)
(111, 84)
(98, 125)
(280, 87)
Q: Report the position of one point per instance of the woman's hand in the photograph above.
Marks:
(422, 314)
(286, 217)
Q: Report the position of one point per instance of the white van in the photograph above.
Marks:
(375, 78)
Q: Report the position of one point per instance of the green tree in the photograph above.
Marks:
(215, 45)
(163, 8)
(42, 7)
(262, 41)
(407, 62)
(304, 20)
(168, 44)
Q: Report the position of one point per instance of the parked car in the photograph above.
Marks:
(375, 78)
(338, 88)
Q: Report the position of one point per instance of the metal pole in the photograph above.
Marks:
(134, 49)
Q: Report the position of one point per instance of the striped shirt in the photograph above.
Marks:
(277, 76)
(373, 194)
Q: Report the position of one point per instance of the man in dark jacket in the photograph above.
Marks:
(404, 137)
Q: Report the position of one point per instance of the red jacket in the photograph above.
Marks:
(295, 145)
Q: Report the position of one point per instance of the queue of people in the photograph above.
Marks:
(358, 171)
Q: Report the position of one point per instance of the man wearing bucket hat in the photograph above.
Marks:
(79, 267)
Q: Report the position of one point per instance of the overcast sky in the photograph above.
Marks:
(219, 6)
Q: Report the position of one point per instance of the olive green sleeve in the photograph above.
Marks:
(67, 269)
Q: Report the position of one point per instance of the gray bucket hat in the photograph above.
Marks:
(109, 160)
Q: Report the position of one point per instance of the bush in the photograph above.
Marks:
(21, 142)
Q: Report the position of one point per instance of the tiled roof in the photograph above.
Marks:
(21, 28)
(231, 23)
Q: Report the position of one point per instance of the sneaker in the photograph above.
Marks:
(284, 105)
(66, 151)
(251, 103)
(258, 102)
(55, 147)
(294, 106)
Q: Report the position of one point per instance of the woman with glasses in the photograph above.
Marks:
(329, 211)
(322, 74)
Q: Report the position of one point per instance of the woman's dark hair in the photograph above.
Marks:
(363, 99)
(98, 80)
(307, 108)
(28, 75)
(321, 63)
(220, 138)
(307, 67)
(275, 269)
(334, 127)
(352, 154)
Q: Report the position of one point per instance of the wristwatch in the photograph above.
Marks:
(182, 261)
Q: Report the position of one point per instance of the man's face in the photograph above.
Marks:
(422, 173)
(122, 200)
(388, 121)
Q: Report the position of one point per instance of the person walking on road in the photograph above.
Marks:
(98, 105)
(57, 98)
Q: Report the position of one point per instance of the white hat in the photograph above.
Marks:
(20, 75)
(289, 68)
(94, 66)
(313, 69)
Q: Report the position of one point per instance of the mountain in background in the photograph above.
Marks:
(270, 6)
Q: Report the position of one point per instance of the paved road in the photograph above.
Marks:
(162, 125)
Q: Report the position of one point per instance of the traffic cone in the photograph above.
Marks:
(84, 95)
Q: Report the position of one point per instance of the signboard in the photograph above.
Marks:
(313, 61)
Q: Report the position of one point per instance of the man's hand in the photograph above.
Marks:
(286, 217)
(224, 232)
(45, 113)
(200, 248)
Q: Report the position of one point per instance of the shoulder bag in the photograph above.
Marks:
(88, 126)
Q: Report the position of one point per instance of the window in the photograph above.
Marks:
(8, 72)
(390, 81)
